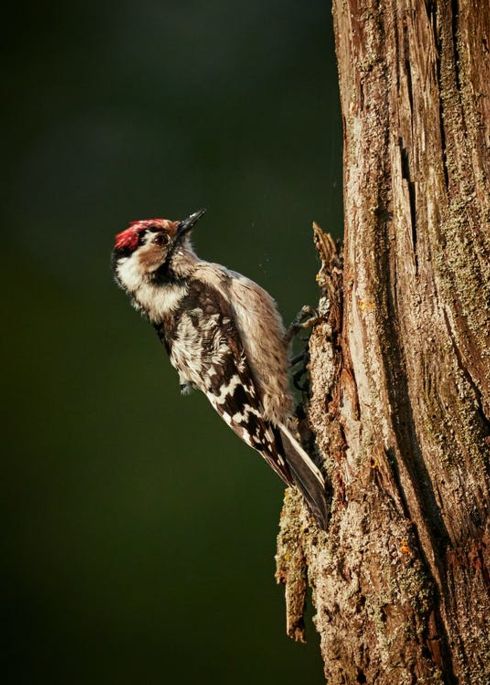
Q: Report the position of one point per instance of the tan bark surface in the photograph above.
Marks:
(400, 363)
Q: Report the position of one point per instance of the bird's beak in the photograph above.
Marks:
(188, 224)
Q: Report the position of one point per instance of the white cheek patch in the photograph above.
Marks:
(129, 273)
(155, 300)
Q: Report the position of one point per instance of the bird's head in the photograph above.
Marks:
(151, 247)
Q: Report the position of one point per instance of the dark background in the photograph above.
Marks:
(138, 532)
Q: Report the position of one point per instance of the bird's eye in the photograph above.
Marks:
(160, 239)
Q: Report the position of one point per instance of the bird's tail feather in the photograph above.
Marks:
(307, 476)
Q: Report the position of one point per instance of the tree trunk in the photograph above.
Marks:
(400, 360)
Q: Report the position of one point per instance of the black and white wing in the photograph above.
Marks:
(233, 392)
(205, 347)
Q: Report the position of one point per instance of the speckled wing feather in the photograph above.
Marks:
(205, 348)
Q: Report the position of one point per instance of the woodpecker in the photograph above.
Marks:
(224, 336)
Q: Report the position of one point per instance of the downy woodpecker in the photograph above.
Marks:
(224, 336)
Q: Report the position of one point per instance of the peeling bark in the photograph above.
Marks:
(400, 361)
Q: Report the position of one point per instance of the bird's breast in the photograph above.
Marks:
(160, 301)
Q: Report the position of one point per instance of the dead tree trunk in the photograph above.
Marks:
(400, 362)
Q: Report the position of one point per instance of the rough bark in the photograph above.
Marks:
(400, 361)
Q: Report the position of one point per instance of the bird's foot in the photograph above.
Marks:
(300, 375)
(186, 387)
(305, 318)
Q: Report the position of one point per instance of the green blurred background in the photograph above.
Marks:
(138, 532)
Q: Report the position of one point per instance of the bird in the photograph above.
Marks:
(225, 337)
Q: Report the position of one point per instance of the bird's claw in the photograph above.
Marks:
(306, 318)
(187, 387)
